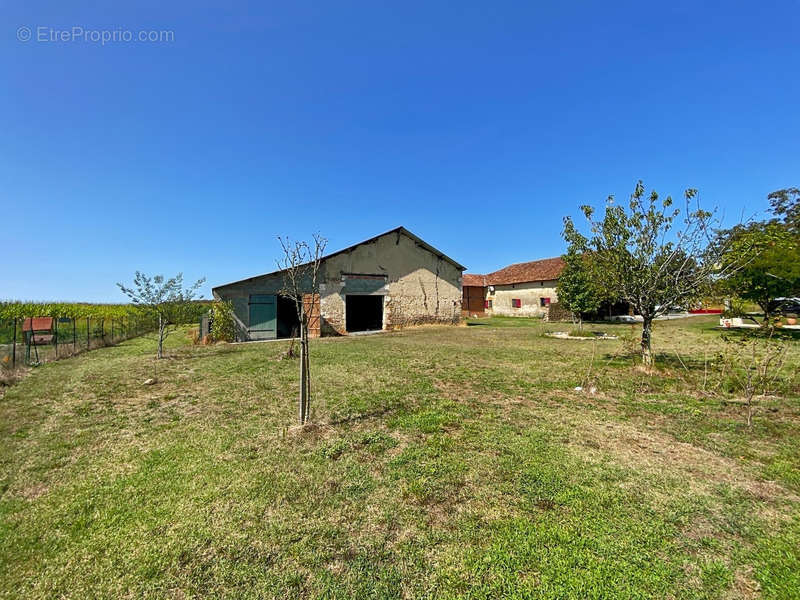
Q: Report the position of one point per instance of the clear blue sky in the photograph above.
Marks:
(477, 125)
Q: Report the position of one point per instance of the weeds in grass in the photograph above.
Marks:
(446, 462)
(753, 368)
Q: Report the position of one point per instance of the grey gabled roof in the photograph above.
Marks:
(400, 230)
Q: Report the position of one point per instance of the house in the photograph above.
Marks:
(523, 289)
(391, 280)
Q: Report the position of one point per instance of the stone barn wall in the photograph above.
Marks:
(417, 286)
(530, 295)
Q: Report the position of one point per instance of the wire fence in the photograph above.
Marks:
(21, 344)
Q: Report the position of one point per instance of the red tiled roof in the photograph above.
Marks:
(535, 270)
(472, 280)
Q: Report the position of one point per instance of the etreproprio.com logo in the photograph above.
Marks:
(44, 34)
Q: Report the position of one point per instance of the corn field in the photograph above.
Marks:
(74, 328)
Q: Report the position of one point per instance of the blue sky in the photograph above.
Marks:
(476, 125)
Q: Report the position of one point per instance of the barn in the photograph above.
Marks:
(391, 280)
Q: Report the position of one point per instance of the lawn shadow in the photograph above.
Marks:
(358, 417)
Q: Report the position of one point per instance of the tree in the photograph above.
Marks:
(300, 265)
(576, 287)
(773, 271)
(647, 257)
(754, 364)
(785, 204)
(164, 300)
(773, 246)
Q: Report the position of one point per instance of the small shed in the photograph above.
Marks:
(39, 330)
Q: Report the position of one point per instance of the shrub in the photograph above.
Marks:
(223, 328)
(736, 308)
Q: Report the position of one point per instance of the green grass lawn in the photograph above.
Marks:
(445, 462)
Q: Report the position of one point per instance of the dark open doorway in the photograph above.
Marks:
(363, 313)
(288, 323)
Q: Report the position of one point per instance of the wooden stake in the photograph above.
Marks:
(303, 374)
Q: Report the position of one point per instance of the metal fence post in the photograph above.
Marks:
(32, 339)
(56, 338)
(74, 323)
(88, 341)
(14, 347)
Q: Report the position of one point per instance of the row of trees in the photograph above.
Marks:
(655, 255)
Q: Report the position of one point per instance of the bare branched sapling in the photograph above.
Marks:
(755, 365)
(300, 265)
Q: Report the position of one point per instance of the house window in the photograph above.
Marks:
(544, 302)
(488, 304)
(516, 303)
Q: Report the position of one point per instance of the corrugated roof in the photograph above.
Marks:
(473, 280)
(535, 270)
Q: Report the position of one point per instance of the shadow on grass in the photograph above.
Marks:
(660, 360)
(358, 417)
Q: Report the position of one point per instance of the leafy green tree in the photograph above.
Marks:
(785, 204)
(769, 252)
(647, 256)
(165, 300)
(577, 289)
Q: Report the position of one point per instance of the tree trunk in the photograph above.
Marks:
(647, 329)
(308, 380)
(302, 408)
(160, 337)
(580, 322)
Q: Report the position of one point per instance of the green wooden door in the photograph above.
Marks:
(263, 317)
